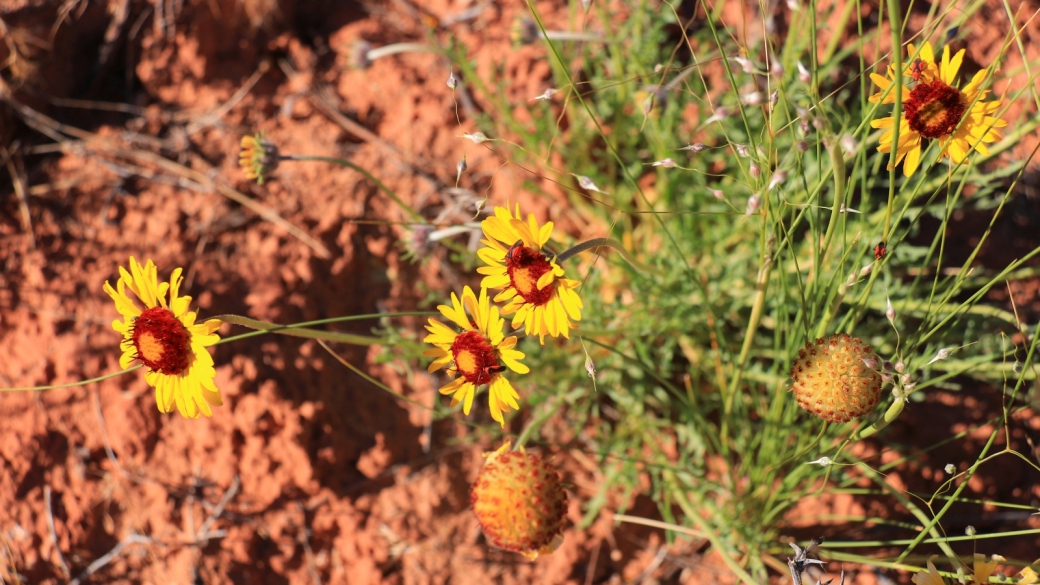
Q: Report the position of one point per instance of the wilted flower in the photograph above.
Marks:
(258, 157)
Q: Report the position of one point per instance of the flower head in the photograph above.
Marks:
(985, 568)
(928, 576)
(164, 337)
(259, 157)
(520, 502)
(478, 353)
(934, 109)
(830, 379)
(539, 297)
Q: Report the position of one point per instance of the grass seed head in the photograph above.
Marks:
(520, 502)
(831, 381)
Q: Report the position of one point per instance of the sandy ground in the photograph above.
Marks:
(307, 474)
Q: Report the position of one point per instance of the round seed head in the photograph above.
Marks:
(831, 381)
(520, 502)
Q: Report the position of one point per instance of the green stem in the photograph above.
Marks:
(368, 175)
(74, 384)
(297, 331)
(897, 107)
(609, 243)
(536, 422)
(838, 172)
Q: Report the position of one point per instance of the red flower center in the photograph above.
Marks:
(525, 266)
(474, 357)
(934, 109)
(163, 343)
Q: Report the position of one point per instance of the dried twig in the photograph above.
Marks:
(325, 102)
(212, 118)
(107, 557)
(801, 560)
(92, 142)
(54, 533)
(18, 180)
(304, 539)
(96, 395)
(219, 508)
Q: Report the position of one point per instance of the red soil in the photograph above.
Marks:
(320, 475)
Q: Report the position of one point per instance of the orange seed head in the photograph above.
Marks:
(831, 381)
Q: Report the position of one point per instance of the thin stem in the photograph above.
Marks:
(74, 384)
(397, 48)
(368, 175)
(609, 243)
(296, 331)
(838, 172)
(536, 422)
(566, 35)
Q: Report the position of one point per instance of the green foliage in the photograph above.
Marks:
(693, 365)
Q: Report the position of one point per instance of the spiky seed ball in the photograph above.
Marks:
(519, 502)
(830, 379)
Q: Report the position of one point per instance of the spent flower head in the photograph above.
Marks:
(831, 381)
(259, 157)
(520, 502)
(162, 335)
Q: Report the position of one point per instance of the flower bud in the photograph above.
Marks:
(754, 170)
(752, 205)
(742, 150)
(452, 82)
(803, 74)
(718, 194)
(950, 468)
(969, 530)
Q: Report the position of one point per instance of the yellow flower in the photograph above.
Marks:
(929, 577)
(478, 353)
(934, 109)
(984, 569)
(259, 157)
(540, 298)
(1028, 576)
(164, 337)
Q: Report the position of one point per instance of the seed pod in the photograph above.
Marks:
(520, 502)
(831, 381)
